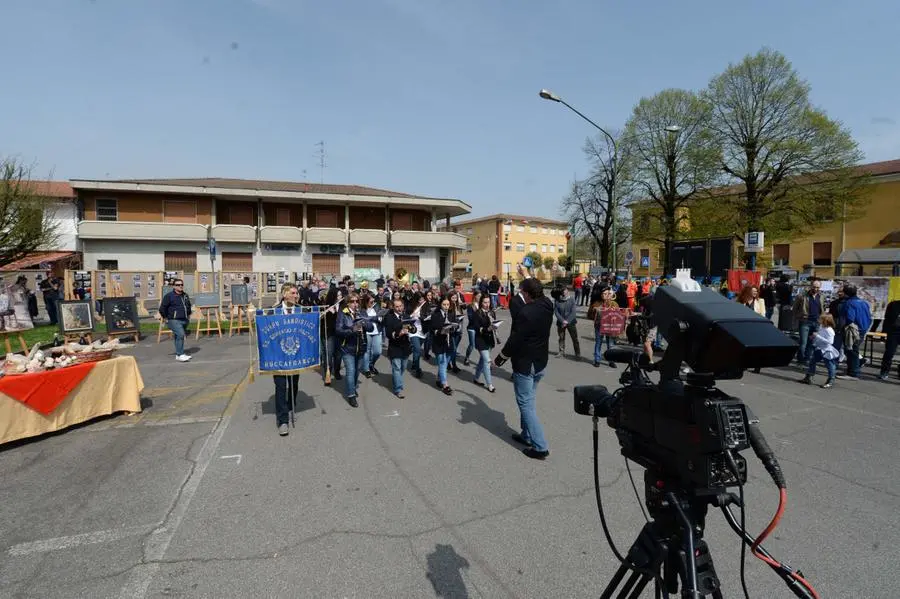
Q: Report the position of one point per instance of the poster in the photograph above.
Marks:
(101, 283)
(612, 321)
(151, 286)
(874, 290)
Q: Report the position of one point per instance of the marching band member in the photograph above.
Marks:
(457, 313)
(286, 385)
(352, 329)
(418, 340)
(374, 338)
(442, 320)
(471, 309)
(485, 340)
(399, 346)
(331, 348)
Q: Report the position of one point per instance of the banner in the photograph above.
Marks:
(287, 343)
(738, 279)
(874, 290)
(612, 321)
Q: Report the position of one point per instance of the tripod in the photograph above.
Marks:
(668, 548)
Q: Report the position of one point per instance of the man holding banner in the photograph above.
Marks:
(288, 342)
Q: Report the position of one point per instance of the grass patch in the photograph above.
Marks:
(44, 333)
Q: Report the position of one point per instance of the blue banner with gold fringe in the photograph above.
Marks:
(287, 343)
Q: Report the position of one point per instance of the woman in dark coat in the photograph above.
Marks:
(485, 340)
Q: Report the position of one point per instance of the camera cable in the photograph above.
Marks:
(732, 465)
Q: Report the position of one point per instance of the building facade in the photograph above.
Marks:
(495, 244)
(62, 213)
(814, 253)
(262, 226)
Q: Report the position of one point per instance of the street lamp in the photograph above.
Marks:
(546, 94)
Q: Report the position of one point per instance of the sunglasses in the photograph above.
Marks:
(179, 285)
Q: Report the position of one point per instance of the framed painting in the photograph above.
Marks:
(75, 316)
(121, 314)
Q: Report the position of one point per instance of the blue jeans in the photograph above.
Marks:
(495, 300)
(769, 312)
(484, 365)
(454, 346)
(353, 365)
(398, 365)
(178, 332)
(805, 350)
(525, 386)
(443, 360)
(283, 395)
(331, 353)
(598, 346)
(416, 343)
(374, 349)
(830, 365)
(471, 334)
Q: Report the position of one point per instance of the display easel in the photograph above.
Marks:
(77, 337)
(163, 330)
(7, 334)
(210, 326)
(116, 288)
(242, 312)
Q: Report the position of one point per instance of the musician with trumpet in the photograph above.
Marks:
(351, 329)
(398, 329)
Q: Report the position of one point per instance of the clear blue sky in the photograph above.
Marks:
(436, 97)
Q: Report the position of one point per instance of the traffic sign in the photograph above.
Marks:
(629, 256)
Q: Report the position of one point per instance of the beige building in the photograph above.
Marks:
(496, 243)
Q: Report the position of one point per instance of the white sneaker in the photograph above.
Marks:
(183, 358)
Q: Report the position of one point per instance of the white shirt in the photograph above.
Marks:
(372, 313)
(823, 340)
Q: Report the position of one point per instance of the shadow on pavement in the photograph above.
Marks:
(445, 568)
(304, 402)
(493, 421)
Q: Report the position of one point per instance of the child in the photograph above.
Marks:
(823, 342)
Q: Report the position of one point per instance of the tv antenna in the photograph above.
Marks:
(322, 164)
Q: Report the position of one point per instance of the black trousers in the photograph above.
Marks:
(282, 399)
(573, 333)
(890, 348)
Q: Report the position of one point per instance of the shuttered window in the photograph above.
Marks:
(326, 264)
(328, 218)
(781, 254)
(822, 253)
(183, 261)
(283, 217)
(177, 211)
(409, 263)
(367, 261)
(240, 214)
(237, 262)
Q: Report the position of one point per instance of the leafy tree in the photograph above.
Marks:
(674, 159)
(548, 262)
(26, 216)
(792, 166)
(536, 258)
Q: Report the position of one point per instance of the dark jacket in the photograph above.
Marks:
(529, 342)
(565, 310)
(175, 307)
(783, 293)
(398, 345)
(494, 286)
(440, 343)
(352, 342)
(891, 322)
(515, 305)
(767, 293)
(484, 333)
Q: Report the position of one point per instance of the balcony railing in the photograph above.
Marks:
(326, 236)
(147, 231)
(431, 239)
(376, 237)
(286, 235)
(234, 233)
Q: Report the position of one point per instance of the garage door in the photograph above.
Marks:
(408, 263)
(237, 262)
(367, 261)
(326, 264)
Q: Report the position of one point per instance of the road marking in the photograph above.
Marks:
(185, 420)
(157, 544)
(394, 413)
(232, 457)
(88, 538)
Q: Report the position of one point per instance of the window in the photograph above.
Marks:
(781, 254)
(328, 218)
(283, 217)
(178, 211)
(644, 222)
(507, 246)
(520, 228)
(545, 230)
(468, 245)
(544, 248)
(532, 247)
(507, 228)
(107, 209)
(183, 261)
(520, 247)
(553, 248)
(107, 265)
(469, 231)
(822, 253)
(562, 249)
(554, 231)
(532, 229)
(241, 214)
(507, 267)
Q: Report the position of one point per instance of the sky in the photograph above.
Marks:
(430, 97)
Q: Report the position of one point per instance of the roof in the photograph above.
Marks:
(892, 238)
(512, 217)
(262, 185)
(873, 256)
(35, 259)
(50, 189)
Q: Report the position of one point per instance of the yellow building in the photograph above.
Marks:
(816, 252)
(495, 244)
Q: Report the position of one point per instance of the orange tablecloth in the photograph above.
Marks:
(107, 387)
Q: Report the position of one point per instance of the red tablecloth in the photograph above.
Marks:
(502, 298)
(44, 391)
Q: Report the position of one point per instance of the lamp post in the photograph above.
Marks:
(546, 94)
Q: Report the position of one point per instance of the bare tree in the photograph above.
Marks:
(674, 159)
(26, 215)
(794, 167)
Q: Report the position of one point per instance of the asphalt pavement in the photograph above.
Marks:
(423, 497)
